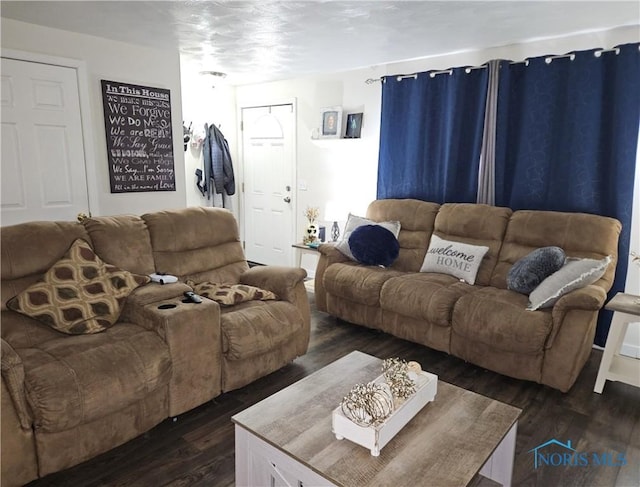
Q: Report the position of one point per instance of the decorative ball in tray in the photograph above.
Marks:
(372, 414)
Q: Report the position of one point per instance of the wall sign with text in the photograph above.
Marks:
(137, 121)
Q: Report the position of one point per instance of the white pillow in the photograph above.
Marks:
(354, 222)
(454, 258)
(576, 273)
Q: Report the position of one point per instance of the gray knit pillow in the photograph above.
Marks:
(528, 272)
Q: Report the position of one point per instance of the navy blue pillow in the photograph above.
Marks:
(528, 272)
(374, 245)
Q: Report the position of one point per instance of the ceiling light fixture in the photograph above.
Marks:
(217, 74)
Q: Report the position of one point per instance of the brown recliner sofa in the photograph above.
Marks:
(67, 398)
(485, 323)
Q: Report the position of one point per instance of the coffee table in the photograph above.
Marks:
(286, 439)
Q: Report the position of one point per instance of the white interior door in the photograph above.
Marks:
(268, 162)
(43, 164)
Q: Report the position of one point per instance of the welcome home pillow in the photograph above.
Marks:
(79, 294)
(454, 258)
(575, 274)
(354, 222)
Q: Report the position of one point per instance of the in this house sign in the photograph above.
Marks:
(137, 121)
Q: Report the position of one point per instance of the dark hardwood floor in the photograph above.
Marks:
(198, 448)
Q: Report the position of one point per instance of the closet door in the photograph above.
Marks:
(43, 163)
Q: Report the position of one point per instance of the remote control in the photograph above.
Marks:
(193, 297)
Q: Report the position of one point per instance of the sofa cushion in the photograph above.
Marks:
(429, 297)
(576, 273)
(74, 380)
(528, 272)
(454, 258)
(197, 243)
(499, 318)
(79, 294)
(476, 225)
(256, 327)
(356, 282)
(578, 234)
(416, 226)
(231, 294)
(374, 245)
(122, 240)
(24, 256)
(354, 222)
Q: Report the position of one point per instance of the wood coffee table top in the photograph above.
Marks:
(446, 443)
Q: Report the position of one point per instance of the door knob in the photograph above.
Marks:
(82, 216)
(287, 199)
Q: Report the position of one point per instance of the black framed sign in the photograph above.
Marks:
(137, 121)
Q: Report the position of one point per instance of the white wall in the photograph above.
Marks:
(206, 99)
(341, 170)
(116, 61)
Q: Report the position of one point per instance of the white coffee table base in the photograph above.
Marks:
(260, 464)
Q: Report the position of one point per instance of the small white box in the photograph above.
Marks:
(376, 437)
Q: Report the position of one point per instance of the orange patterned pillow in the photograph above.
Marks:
(230, 294)
(79, 294)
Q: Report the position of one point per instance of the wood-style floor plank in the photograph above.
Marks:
(198, 448)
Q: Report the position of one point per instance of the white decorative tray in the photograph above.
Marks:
(376, 437)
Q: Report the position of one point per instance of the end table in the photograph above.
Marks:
(303, 249)
(616, 367)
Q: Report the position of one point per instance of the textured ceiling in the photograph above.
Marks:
(265, 40)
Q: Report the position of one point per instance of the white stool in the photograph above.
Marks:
(616, 367)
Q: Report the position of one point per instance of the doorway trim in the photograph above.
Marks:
(80, 68)
(294, 169)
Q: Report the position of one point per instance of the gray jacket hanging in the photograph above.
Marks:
(217, 162)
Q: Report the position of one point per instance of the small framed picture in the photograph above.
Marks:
(354, 126)
(331, 122)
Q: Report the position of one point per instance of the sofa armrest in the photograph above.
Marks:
(329, 255)
(154, 292)
(286, 282)
(192, 334)
(570, 341)
(588, 298)
(13, 377)
(280, 280)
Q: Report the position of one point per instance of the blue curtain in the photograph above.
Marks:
(567, 134)
(431, 135)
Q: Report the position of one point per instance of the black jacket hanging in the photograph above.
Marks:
(217, 162)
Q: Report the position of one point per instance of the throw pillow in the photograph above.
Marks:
(354, 222)
(79, 294)
(374, 245)
(576, 273)
(454, 258)
(528, 272)
(230, 294)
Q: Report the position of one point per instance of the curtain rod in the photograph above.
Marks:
(548, 60)
(433, 74)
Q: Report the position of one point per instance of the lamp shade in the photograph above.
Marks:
(333, 212)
